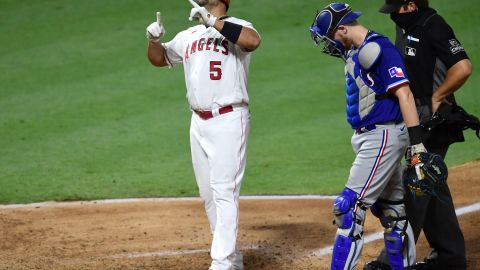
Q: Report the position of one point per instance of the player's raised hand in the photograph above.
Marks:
(201, 14)
(156, 30)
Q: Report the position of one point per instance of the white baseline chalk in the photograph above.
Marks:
(379, 235)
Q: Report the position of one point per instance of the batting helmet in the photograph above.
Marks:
(326, 22)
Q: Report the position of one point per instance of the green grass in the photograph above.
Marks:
(83, 115)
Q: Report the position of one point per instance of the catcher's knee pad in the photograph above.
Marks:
(349, 214)
(392, 216)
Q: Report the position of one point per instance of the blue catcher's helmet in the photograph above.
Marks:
(326, 22)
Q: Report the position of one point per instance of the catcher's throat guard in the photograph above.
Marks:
(331, 47)
(426, 175)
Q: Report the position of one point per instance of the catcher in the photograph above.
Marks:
(380, 110)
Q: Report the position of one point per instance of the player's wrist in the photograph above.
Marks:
(153, 39)
(231, 31)
(416, 134)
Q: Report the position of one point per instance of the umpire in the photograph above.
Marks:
(437, 65)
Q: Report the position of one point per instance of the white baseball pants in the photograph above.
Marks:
(218, 148)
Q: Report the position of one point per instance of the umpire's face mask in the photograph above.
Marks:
(405, 20)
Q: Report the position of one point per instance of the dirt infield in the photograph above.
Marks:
(274, 234)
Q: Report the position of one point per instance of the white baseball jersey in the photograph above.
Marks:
(216, 70)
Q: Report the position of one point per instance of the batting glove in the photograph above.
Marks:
(201, 14)
(156, 30)
(417, 148)
(414, 160)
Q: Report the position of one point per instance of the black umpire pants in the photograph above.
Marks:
(436, 215)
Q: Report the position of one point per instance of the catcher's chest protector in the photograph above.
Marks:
(368, 100)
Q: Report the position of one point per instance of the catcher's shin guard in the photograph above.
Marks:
(349, 217)
(398, 234)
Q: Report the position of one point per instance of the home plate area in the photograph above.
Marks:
(276, 232)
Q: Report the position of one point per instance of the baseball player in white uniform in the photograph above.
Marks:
(215, 55)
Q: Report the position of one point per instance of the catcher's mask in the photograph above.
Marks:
(326, 23)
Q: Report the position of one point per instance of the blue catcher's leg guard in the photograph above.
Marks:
(398, 235)
(349, 217)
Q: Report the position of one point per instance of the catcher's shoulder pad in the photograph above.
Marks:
(369, 54)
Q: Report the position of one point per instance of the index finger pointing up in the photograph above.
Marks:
(194, 4)
(159, 18)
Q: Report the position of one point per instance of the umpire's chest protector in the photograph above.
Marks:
(367, 100)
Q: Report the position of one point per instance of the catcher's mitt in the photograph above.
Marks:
(425, 173)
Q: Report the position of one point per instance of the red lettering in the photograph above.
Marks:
(201, 43)
(206, 44)
(215, 70)
(225, 47)
(217, 42)
(194, 47)
(186, 54)
(209, 42)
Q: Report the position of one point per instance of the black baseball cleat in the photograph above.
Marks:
(423, 266)
(376, 265)
(428, 264)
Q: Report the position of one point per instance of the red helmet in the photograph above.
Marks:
(226, 2)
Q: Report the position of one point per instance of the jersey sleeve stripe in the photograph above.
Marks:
(397, 84)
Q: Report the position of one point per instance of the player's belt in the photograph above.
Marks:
(365, 129)
(205, 115)
(374, 126)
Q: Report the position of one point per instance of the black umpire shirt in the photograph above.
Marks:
(430, 48)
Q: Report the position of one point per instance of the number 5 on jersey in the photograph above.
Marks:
(215, 70)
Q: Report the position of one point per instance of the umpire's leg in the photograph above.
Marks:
(441, 227)
(416, 208)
